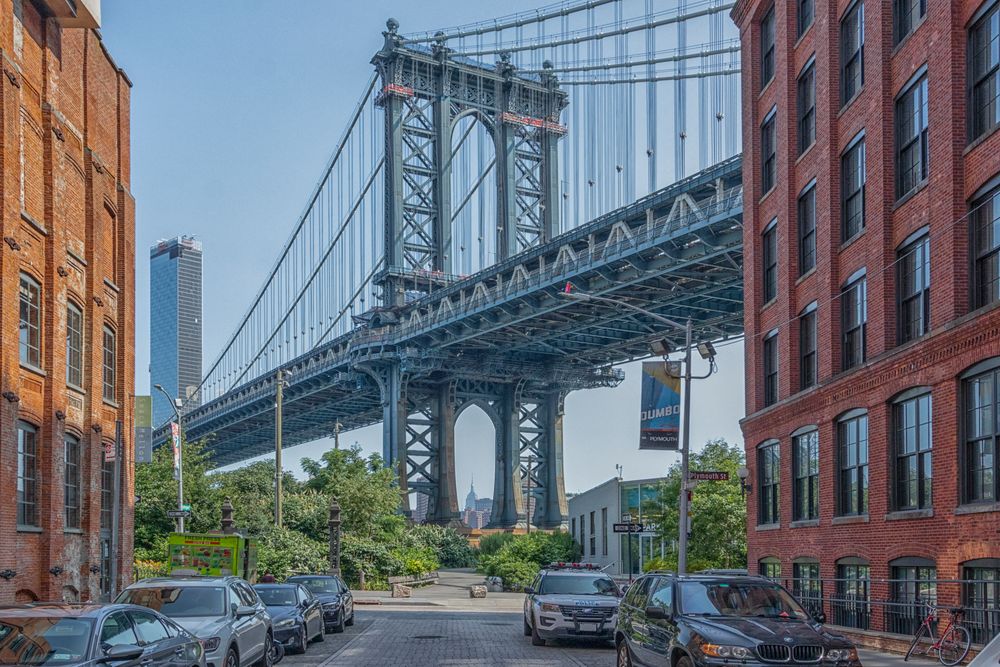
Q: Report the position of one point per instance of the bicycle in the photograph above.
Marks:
(953, 644)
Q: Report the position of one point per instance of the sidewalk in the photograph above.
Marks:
(875, 659)
(451, 592)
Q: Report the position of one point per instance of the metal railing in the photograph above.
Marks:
(898, 606)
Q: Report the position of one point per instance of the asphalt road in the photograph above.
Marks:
(427, 637)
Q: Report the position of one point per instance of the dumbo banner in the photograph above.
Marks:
(660, 419)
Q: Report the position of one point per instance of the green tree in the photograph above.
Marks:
(717, 510)
(366, 490)
(157, 489)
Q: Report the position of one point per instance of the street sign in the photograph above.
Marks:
(709, 475)
(628, 527)
(186, 507)
(178, 514)
(109, 452)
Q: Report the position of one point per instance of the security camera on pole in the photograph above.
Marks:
(663, 348)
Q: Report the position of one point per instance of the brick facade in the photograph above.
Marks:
(949, 532)
(67, 219)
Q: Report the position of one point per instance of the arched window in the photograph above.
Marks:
(769, 567)
(852, 463)
(850, 605)
(913, 583)
(981, 397)
(768, 487)
(110, 363)
(805, 471)
(71, 481)
(981, 598)
(30, 321)
(911, 435)
(74, 345)
(27, 474)
(806, 584)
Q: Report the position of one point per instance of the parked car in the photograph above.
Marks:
(296, 614)
(333, 594)
(224, 612)
(699, 620)
(65, 635)
(989, 656)
(570, 600)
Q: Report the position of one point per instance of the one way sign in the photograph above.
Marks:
(628, 527)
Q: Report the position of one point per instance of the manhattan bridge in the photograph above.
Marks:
(593, 143)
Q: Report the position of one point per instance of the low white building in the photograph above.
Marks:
(593, 513)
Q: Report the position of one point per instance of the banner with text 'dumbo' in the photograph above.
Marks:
(660, 417)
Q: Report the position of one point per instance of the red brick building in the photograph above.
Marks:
(67, 292)
(872, 229)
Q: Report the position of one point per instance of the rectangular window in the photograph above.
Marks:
(27, 475)
(74, 345)
(981, 598)
(906, 14)
(984, 74)
(807, 108)
(912, 153)
(806, 585)
(912, 585)
(981, 436)
(986, 249)
(604, 531)
(771, 369)
(807, 230)
(593, 536)
(851, 607)
(807, 350)
(29, 326)
(805, 493)
(852, 436)
(912, 435)
(805, 17)
(769, 150)
(768, 476)
(767, 34)
(913, 288)
(109, 364)
(852, 191)
(71, 496)
(107, 492)
(853, 322)
(769, 246)
(852, 52)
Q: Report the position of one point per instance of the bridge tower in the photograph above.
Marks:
(425, 92)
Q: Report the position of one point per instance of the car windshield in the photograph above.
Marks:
(710, 598)
(277, 597)
(319, 584)
(577, 584)
(44, 640)
(179, 601)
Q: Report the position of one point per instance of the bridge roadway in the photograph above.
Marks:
(677, 252)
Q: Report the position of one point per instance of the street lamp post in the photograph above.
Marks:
(688, 326)
(278, 472)
(180, 455)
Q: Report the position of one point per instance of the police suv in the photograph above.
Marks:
(571, 600)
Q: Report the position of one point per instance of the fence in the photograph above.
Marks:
(898, 606)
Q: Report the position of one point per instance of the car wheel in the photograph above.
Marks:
(339, 627)
(267, 660)
(232, 660)
(536, 639)
(527, 628)
(684, 662)
(350, 621)
(624, 655)
(320, 637)
(303, 641)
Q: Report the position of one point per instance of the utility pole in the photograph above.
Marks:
(527, 502)
(175, 404)
(685, 453)
(277, 447)
(336, 435)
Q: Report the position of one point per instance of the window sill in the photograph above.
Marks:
(804, 33)
(906, 38)
(767, 194)
(114, 288)
(110, 403)
(977, 508)
(902, 515)
(980, 139)
(73, 531)
(763, 88)
(914, 191)
(801, 279)
(76, 389)
(28, 529)
(33, 369)
(39, 227)
(851, 241)
(767, 526)
(770, 302)
(847, 105)
(806, 152)
(804, 523)
(849, 519)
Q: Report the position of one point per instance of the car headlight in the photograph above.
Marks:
(723, 651)
(285, 623)
(548, 606)
(842, 654)
(211, 644)
(331, 605)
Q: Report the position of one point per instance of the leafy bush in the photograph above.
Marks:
(490, 544)
(451, 549)
(516, 574)
(284, 552)
(417, 560)
(520, 557)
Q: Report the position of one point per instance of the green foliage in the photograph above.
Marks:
(284, 552)
(366, 490)
(718, 513)
(417, 560)
(449, 547)
(490, 544)
(360, 553)
(519, 557)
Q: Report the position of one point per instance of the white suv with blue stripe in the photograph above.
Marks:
(571, 601)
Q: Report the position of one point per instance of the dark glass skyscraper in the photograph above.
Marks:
(174, 323)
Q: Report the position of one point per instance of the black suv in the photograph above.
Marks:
(666, 620)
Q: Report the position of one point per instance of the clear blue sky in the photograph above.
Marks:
(236, 107)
